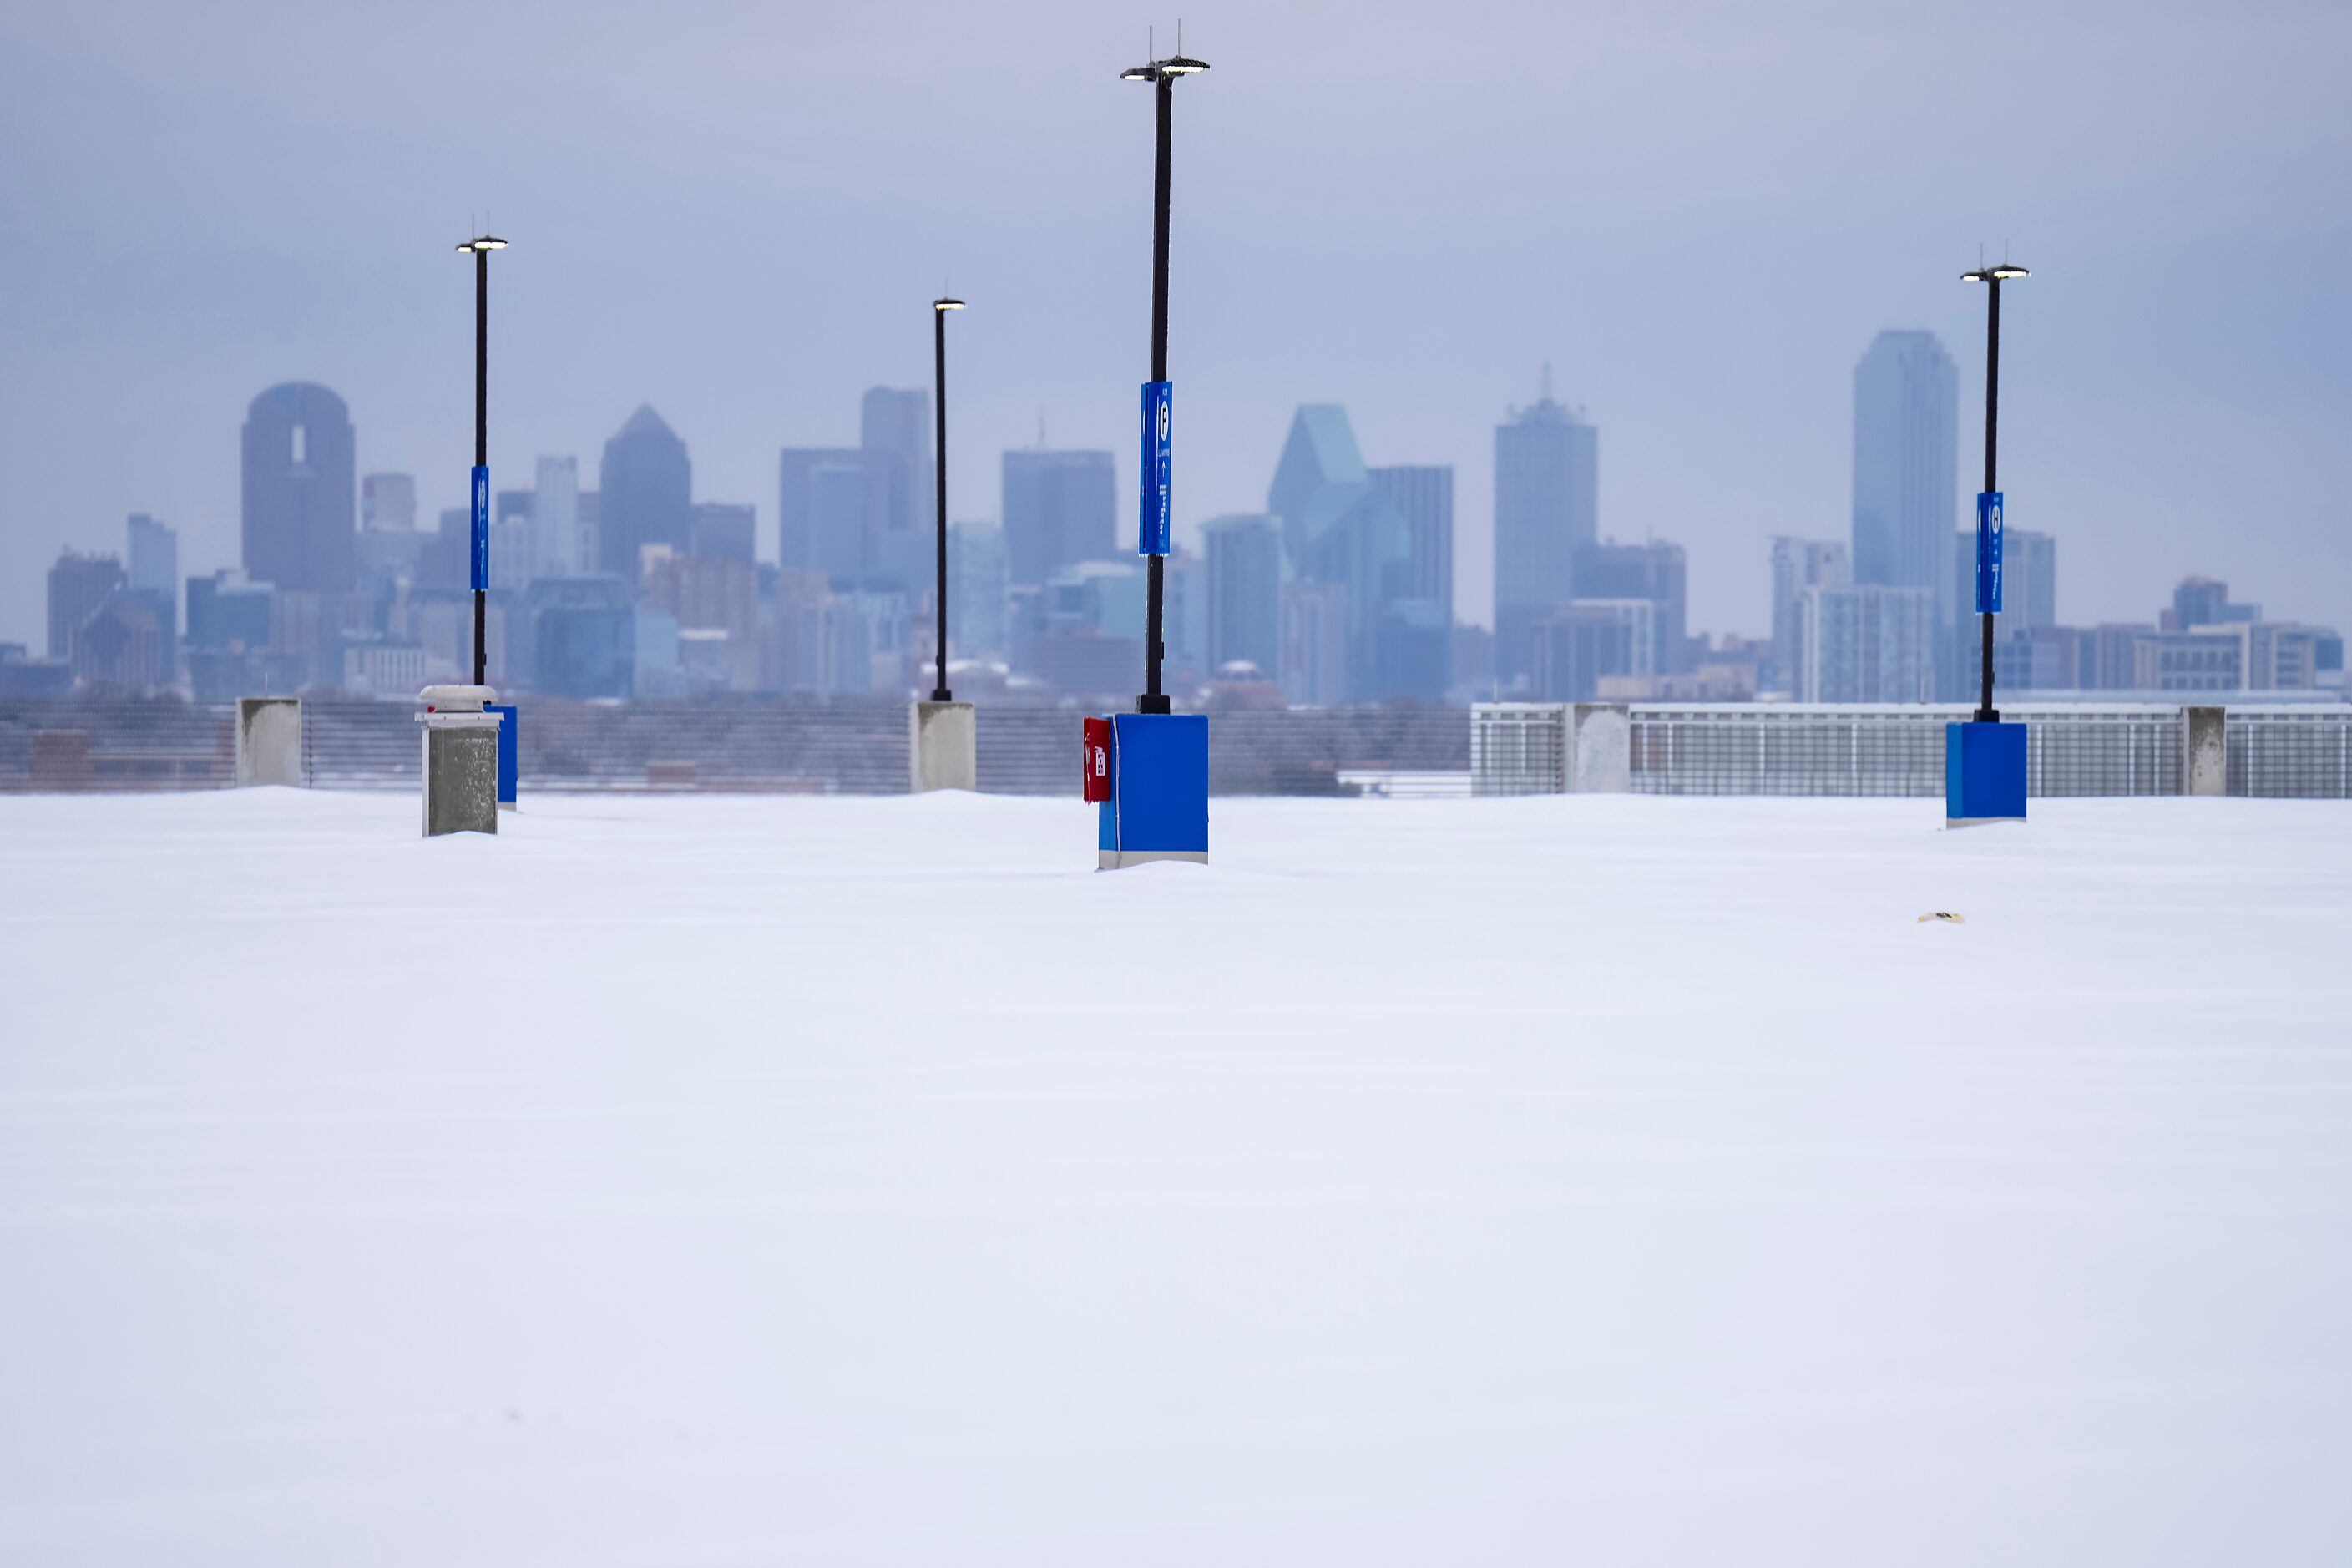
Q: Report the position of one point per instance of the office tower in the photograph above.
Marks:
(1868, 643)
(1313, 671)
(1185, 578)
(123, 643)
(976, 585)
(2205, 602)
(898, 422)
(78, 585)
(1655, 572)
(723, 532)
(1244, 593)
(388, 501)
(587, 557)
(1799, 564)
(2029, 590)
(154, 571)
(1060, 508)
(647, 487)
(833, 513)
(298, 490)
(228, 612)
(1906, 480)
(1423, 493)
(1340, 528)
(555, 519)
(1547, 467)
(1584, 641)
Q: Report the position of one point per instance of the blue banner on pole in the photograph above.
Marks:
(1152, 526)
(1989, 553)
(481, 528)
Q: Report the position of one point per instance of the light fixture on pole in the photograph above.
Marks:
(940, 309)
(1989, 502)
(1157, 393)
(481, 245)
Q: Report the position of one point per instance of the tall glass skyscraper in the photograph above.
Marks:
(1060, 508)
(1340, 528)
(1244, 590)
(1906, 476)
(1546, 506)
(647, 490)
(300, 491)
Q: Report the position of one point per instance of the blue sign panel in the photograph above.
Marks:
(1152, 528)
(481, 529)
(1989, 553)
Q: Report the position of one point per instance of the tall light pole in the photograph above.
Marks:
(481, 245)
(1988, 524)
(940, 309)
(1162, 75)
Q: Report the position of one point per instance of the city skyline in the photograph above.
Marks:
(1721, 269)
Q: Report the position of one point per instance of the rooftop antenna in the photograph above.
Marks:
(1546, 381)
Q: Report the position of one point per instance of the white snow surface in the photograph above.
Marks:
(871, 1182)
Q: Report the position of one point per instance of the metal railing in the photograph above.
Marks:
(860, 747)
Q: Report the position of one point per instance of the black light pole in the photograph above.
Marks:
(1162, 74)
(940, 309)
(1990, 276)
(481, 245)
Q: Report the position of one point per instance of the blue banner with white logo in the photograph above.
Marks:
(481, 529)
(1153, 527)
(1989, 553)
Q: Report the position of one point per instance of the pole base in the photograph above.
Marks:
(1151, 702)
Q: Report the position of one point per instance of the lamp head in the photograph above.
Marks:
(944, 304)
(1163, 70)
(1994, 274)
(484, 242)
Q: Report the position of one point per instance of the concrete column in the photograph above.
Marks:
(1599, 749)
(941, 747)
(461, 760)
(2204, 752)
(268, 740)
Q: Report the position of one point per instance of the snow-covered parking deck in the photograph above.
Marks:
(860, 1182)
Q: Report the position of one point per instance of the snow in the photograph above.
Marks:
(772, 1179)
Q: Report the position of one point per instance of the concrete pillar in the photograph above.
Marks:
(268, 740)
(1599, 749)
(461, 760)
(2204, 752)
(941, 747)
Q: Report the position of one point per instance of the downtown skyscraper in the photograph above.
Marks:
(1907, 484)
(299, 490)
(1546, 508)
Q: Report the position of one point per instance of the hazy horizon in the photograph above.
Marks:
(1698, 216)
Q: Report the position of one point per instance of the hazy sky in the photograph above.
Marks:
(1698, 213)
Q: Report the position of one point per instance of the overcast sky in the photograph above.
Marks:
(1698, 214)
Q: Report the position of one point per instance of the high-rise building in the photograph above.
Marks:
(1339, 527)
(647, 489)
(2029, 586)
(2205, 602)
(584, 636)
(153, 557)
(1581, 642)
(298, 490)
(723, 532)
(1907, 479)
(1423, 493)
(1060, 508)
(1547, 487)
(1244, 593)
(1655, 572)
(555, 519)
(833, 513)
(898, 421)
(1799, 564)
(1413, 652)
(388, 501)
(1868, 643)
(976, 585)
(1315, 653)
(78, 585)
(125, 643)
